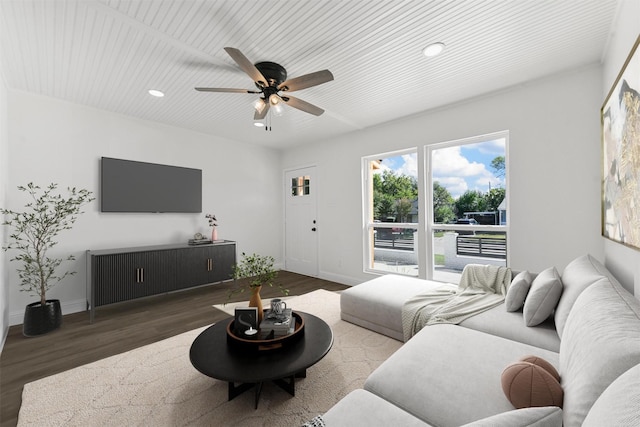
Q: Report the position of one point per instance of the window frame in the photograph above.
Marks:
(368, 223)
(430, 225)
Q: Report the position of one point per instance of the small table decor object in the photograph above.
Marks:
(256, 344)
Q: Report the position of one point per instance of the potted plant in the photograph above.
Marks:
(34, 233)
(258, 271)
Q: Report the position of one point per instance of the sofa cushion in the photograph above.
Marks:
(543, 297)
(546, 416)
(377, 303)
(502, 323)
(527, 385)
(576, 277)
(448, 376)
(361, 408)
(619, 404)
(518, 290)
(601, 340)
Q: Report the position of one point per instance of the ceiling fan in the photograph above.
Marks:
(271, 79)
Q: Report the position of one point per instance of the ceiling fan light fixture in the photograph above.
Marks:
(434, 49)
(156, 93)
(274, 99)
(259, 105)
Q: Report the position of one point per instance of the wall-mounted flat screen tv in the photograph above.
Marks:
(130, 186)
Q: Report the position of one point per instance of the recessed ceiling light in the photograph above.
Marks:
(433, 49)
(258, 124)
(156, 93)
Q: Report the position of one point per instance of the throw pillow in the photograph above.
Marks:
(518, 290)
(527, 385)
(315, 422)
(543, 297)
(543, 364)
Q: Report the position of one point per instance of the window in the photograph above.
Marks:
(391, 213)
(462, 219)
(467, 219)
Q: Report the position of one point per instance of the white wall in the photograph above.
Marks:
(56, 141)
(4, 278)
(554, 155)
(621, 259)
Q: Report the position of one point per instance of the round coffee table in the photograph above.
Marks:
(211, 355)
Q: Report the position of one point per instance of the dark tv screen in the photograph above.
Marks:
(130, 186)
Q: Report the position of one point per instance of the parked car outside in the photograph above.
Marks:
(466, 221)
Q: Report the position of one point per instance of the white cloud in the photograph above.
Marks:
(458, 174)
(410, 166)
(454, 184)
(450, 162)
(495, 147)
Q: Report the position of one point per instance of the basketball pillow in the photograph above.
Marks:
(527, 385)
(543, 364)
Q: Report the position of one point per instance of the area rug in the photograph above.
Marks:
(156, 384)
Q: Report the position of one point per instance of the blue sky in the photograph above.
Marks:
(458, 168)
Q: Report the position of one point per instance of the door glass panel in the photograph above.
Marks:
(301, 186)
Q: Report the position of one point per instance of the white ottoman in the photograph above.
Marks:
(377, 304)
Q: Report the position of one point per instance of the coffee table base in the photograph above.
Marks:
(288, 384)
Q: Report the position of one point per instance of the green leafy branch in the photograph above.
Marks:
(258, 270)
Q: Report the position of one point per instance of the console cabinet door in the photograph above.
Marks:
(206, 264)
(125, 276)
(223, 261)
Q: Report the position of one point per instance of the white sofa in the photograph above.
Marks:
(450, 375)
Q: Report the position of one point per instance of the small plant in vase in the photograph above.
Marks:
(213, 223)
(34, 233)
(256, 271)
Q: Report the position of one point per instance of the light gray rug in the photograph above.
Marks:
(156, 384)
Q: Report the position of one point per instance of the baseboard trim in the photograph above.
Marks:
(69, 307)
(338, 278)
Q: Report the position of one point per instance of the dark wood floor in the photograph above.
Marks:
(116, 329)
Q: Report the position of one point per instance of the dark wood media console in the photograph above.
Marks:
(117, 275)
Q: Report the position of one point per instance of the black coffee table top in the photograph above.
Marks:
(211, 355)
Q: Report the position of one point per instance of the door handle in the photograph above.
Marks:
(313, 229)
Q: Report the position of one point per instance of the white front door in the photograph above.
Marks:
(301, 227)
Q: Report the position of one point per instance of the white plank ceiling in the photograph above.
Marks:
(107, 53)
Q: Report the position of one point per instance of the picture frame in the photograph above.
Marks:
(245, 318)
(620, 123)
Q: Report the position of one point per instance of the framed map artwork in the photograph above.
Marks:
(620, 118)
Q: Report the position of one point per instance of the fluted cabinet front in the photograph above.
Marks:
(121, 275)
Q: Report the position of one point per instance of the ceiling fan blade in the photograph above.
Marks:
(224, 89)
(302, 105)
(308, 80)
(259, 115)
(246, 65)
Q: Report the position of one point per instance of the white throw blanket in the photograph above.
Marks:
(481, 288)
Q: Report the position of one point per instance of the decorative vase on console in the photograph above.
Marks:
(213, 223)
